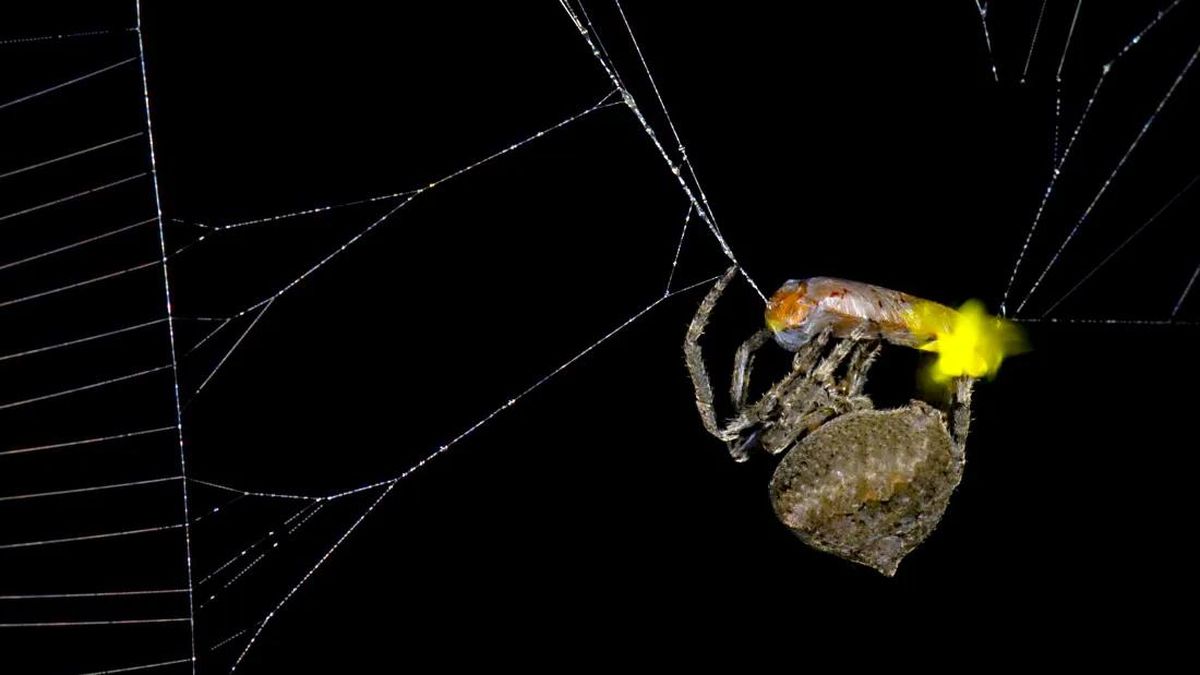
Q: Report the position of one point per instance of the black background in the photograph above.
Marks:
(595, 516)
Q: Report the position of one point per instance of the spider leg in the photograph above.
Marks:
(801, 364)
(860, 362)
(743, 364)
(801, 426)
(806, 357)
(960, 411)
(783, 393)
(807, 405)
(803, 411)
(763, 411)
(694, 358)
(823, 373)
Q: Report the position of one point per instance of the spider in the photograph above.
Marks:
(867, 485)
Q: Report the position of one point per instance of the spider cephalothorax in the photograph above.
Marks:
(864, 484)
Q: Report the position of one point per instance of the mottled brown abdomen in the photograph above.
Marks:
(871, 485)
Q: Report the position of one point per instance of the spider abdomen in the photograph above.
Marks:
(870, 485)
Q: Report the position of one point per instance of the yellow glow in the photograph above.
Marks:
(968, 342)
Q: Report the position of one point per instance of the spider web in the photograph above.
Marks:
(125, 368)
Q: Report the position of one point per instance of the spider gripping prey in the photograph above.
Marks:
(866, 485)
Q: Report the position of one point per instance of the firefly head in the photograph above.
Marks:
(787, 315)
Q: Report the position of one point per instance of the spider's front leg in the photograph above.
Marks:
(694, 358)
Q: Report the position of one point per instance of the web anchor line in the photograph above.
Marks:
(602, 103)
(1033, 41)
(1186, 290)
(307, 575)
(229, 353)
(263, 220)
(147, 666)
(1111, 176)
(679, 247)
(1122, 245)
(684, 159)
(676, 170)
(259, 558)
(221, 324)
(987, 38)
(1061, 161)
(308, 212)
(221, 643)
(253, 545)
(1058, 83)
(217, 509)
(1109, 322)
